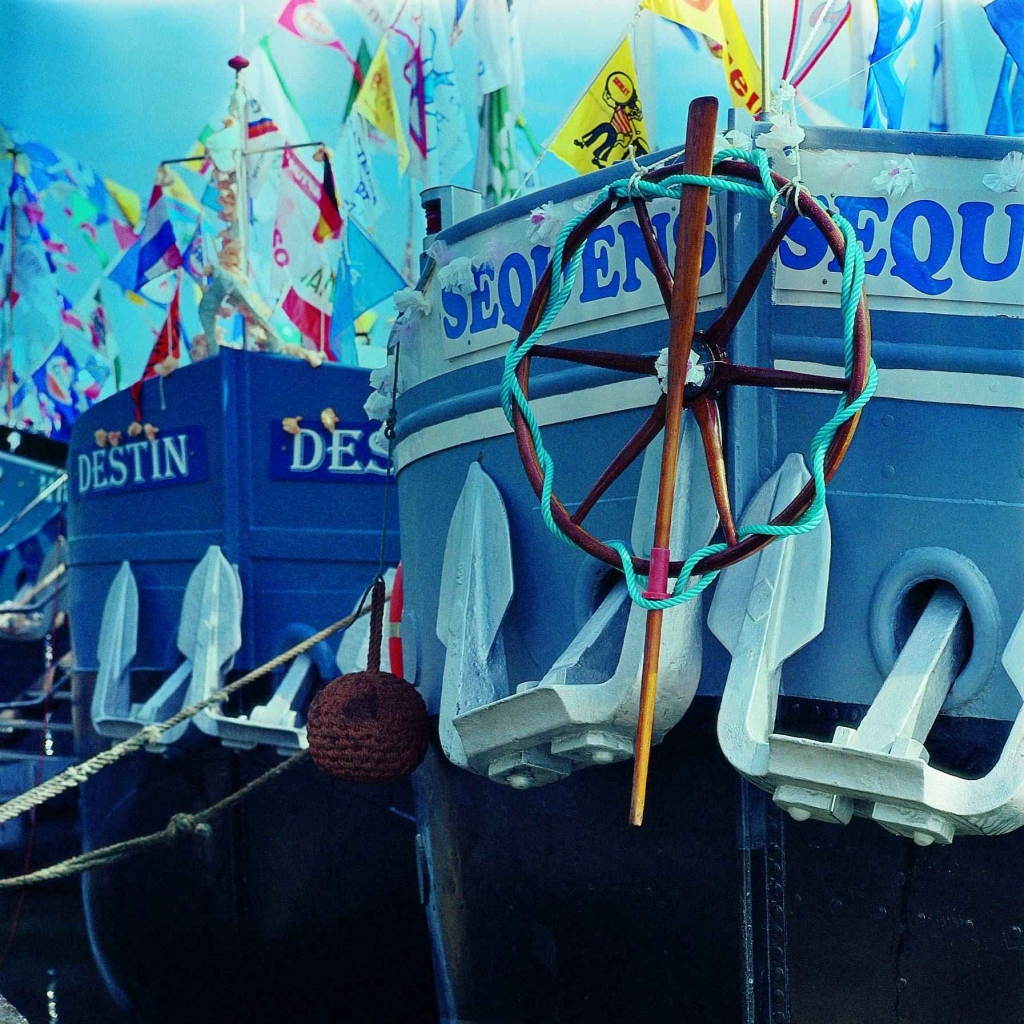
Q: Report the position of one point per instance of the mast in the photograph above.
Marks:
(766, 75)
(239, 110)
(9, 354)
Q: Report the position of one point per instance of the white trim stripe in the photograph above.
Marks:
(940, 387)
(573, 405)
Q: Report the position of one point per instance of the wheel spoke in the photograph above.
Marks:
(634, 446)
(706, 411)
(662, 273)
(590, 357)
(759, 377)
(721, 330)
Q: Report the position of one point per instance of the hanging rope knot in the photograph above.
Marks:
(150, 734)
(188, 825)
(789, 195)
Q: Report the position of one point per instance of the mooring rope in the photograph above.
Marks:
(180, 825)
(79, 773)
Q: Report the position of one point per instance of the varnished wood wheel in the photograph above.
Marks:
(712, 350)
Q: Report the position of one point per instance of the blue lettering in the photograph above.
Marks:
(513, 312)
(636, 252)
(710, 251)
(859, 210)
(456, 310)
(918, 273)
(485, 309)
(660, 222)
(811, 241)
(972, 242)
(595, 262)
(541, 256)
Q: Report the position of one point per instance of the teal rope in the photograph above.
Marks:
(562, 281)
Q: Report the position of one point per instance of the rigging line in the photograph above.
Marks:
(866, 68)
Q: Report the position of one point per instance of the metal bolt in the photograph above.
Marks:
(602, 757)
(519, 780)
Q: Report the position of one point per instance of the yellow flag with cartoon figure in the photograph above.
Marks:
(607, 121)
(376, 102)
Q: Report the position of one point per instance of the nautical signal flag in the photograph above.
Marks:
(158, 247)
(329, 223)
(166, 352)
(608, 120)
(717, 19)
(376, 102)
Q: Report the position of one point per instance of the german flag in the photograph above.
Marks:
(329, 224)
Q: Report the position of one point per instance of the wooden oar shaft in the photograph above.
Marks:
(693, 206)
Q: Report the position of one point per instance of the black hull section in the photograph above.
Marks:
(302, 906)
(547, 907)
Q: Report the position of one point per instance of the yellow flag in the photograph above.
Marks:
(176, 188)
(700, 15)
(607, 121)
(742, 73)
(376, 102)
(127, 201)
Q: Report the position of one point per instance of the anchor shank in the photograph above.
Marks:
(912, 696)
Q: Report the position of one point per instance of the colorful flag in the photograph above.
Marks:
(128, 202)
(457, 25)
(303, 251)
(491, 25)
(698, 15)
(158, 246)
(355, 170)
(365, 277)
(376, 102)
(887, 77)
(30, 285)
(497, 175)
(807, 15)
(166, 352)
(101, 334)
(1007, 20)
(68, 314)
(55, 380)
(307, 20)
(329, 223)
(438, 137)
(312, 320)
(1007, 114)
(742, 73)
(938, 119)
(608, 121)
(363, 60)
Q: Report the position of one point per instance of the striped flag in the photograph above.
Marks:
(887, 78)
(158, 247)
(329, 223)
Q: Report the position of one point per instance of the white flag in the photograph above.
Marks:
(357, 182)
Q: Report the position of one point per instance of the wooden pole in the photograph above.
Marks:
(693, 205)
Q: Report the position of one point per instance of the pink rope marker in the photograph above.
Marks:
(657, 581)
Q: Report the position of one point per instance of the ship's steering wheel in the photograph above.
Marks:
(711, 347)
